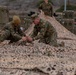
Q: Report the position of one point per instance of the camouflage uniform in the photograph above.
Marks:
(47, 33)
(10, 32)
(46, 8)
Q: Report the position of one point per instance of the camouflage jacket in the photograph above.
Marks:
(46, 8)
(11, 30)
(43, 30)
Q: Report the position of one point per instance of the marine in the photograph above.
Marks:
(44, 31)
(12, 31)
(46, 7)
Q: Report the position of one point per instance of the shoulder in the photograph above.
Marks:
(42, 4)
(49, 25)
(42, 21)
(8, 25)
(49, 3)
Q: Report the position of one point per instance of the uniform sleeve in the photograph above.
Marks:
(21, 32)
(42, 32)
(35, 32)
(15, 35)
(4, 35)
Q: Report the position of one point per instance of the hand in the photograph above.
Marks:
(29, 39)
(24, 38)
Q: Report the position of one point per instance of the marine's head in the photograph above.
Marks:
(46, 1)
(16, 20)
(35, 18)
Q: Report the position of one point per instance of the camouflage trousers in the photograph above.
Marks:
(51, 40)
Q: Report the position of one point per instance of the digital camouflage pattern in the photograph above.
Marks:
(45, 32)
(11, 32)
(46, 8)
